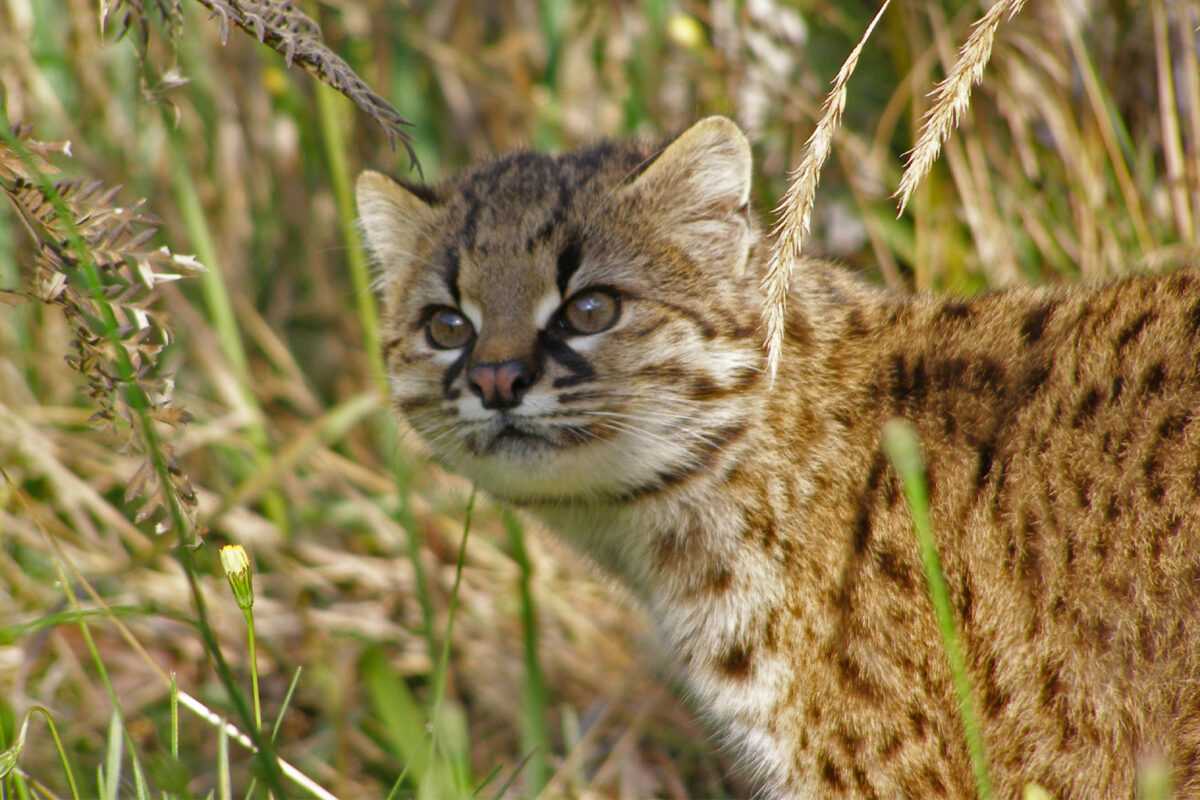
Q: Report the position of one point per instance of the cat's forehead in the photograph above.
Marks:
(508, 222)
(519, 201)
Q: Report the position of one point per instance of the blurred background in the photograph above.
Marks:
(1079, 158)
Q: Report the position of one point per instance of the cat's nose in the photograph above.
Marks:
(501, 385)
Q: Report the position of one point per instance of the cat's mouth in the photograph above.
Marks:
(514, 437)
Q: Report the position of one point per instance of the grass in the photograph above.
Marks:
(437, 664)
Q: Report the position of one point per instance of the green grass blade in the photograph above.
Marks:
(10, 756)
(535, 739)
(403, 723)
(224, 787)
(114, 753)
(287, 701)
(220, 309)
(903, 448)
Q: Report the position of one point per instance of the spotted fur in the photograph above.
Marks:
(762, 527)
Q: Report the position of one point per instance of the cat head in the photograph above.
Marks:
(576, 326)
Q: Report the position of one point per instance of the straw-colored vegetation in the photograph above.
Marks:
(408, 639)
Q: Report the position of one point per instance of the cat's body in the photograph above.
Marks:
(761, 525)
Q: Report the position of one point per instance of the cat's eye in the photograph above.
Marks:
(446, 329)
(591, 311)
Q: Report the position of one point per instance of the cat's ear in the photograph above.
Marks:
(393, 216)
(697, 191)
(704, 172)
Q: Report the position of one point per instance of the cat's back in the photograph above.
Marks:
(1061, 431)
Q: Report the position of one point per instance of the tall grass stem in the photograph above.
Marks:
(904, 450)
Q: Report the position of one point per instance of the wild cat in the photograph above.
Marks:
(578, 334)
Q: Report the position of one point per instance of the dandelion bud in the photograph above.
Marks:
(236, 563)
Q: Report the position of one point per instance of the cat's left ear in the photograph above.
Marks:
(393, 215)
(699, 185)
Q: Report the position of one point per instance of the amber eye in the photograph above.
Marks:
(591, 311)
(447, 329)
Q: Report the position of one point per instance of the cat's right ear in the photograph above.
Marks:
(393, 216)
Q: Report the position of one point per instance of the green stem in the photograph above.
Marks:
(384, 426)
(220, 309)
(534, 737)
(250, 644)
(360, 275)
(904, 449)
(442, 668)
(87, 272)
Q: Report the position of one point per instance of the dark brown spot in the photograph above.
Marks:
(934, 782)
(851, 742)
(987, 454)
(1194, 319)
(1034, 324)
(737, 662)
(1083, 491)
(993, 696)
(1133, 329)
(854, 679)
(1052, 686)
(718, 580)
(864, 785)
(703, 388)
(919, 722)
(1030, 566)
(855, 326)
(1118, 386)
(954, 309)
(1171, 427)
(1153, 378)
(890, 746)
(1087, 408)
(798, 329)
(830, 775)
(891, 566)
(966, 604)
(1033, 380)
(947, 373)
(988, 375)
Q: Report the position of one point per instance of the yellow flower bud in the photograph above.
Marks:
(236, 563)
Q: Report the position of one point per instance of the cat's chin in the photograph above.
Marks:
(526, 469)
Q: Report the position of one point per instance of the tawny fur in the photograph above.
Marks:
(763, 528)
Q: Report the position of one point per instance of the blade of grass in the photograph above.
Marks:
(1168, 110)
(1112, 131)
(224, 788)
(535, 739)
(360, 274)
(442, 668)
(220, 310)
(87, 272)
(9, 757)
(404, 726)
(904, 450)
(114, 754)
(385, 430)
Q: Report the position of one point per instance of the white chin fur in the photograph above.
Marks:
(595, 470)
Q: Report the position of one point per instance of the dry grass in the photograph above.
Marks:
(1064, 166)
(953, 95)
(795, 209)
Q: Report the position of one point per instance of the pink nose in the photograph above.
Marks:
(501, 385)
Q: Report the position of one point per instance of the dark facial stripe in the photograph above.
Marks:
(580, 368)
(568, 262)
(452, 372)
(451, 274)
